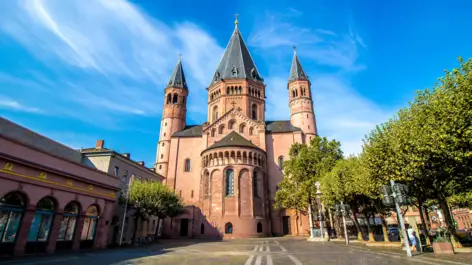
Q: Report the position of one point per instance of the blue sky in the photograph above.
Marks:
(77, 71)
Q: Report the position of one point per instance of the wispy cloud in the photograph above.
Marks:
(109, 58)
(341, 112)
(323, 46)
(9, 104)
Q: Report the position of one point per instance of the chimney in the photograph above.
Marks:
(100, 144)
(141, 163)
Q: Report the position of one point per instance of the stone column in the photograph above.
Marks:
(53, 233)
(24, 230)
(78, 232)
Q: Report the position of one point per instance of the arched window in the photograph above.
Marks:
(254, 185)
(12, 207)
(184, 100)
(228, 228)
(293, 93)
(231, 124)
(213, 132)
(175, 99)
(296, 92)
(259, 227)
(240, 90)
(90, 224)
(227, 91)
(232, 90)
(281, 162)
(251, 131)
(215, 113)
(229, 182)
(206, 185)
(42, 221)
(69, 220)
(242, 127)
(221, 129)
(169, 97)
(202, 229)
(254, 112)
(258, 94)
(187, 165)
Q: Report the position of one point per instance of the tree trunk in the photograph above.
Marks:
(384, 229)
(156, 233)
(136, 219)
(449, 223)
(369, 229)
(331, 223)
(360, 235)
(424, 222)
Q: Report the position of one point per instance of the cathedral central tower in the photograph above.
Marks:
(236, 83)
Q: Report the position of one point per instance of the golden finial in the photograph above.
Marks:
(236, 22)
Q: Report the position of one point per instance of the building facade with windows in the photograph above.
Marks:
(48, 199)
(127, 170)
(228, 169)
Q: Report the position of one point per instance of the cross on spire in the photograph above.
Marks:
(236, 16)
(294, 49)
(180, 56)
(233, 103)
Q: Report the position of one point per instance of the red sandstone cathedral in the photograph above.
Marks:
(227, 170)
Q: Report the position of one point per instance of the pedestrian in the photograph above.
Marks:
(411, 237)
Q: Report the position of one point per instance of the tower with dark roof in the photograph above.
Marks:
(174, 115)
(236, 83)
(302, 114)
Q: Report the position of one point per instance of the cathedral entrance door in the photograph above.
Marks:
(286, 225)
(183, 227)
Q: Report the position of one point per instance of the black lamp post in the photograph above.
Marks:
(395, 195)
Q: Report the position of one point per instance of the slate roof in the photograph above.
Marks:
(280, 126)
(190, 131)
(177, 79)
(296, 71)
(233, 139)
(236, 62)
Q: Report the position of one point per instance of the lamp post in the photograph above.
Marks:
(318, 201)
(124, 213)
(343, 210)
(397, 194)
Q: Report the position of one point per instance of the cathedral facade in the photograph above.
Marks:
(227, 170)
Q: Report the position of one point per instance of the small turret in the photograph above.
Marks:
(302, 114)
(173, 118)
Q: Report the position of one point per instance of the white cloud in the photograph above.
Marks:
(341, 112)
(110, 57)
(6, 103)
(320, 45)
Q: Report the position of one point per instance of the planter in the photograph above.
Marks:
(443, 248)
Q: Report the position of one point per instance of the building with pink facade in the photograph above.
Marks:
(228, 169)
(49, 200)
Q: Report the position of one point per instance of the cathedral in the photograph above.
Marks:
(227, 170)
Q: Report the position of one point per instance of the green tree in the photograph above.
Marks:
(428, 144)
(306, 165)
(149, 198)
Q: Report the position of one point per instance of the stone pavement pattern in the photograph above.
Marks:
(269, 251)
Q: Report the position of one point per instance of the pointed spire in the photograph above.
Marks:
(177, 79)
(236, 62)
(296, 71)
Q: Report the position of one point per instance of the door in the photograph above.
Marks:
(286, 225)
(183, 227)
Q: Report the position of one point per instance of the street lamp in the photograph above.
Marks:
(397, 194)
(343, 210)
(318, 201)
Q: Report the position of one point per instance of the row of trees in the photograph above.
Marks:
(426, 145)
(150, 198)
